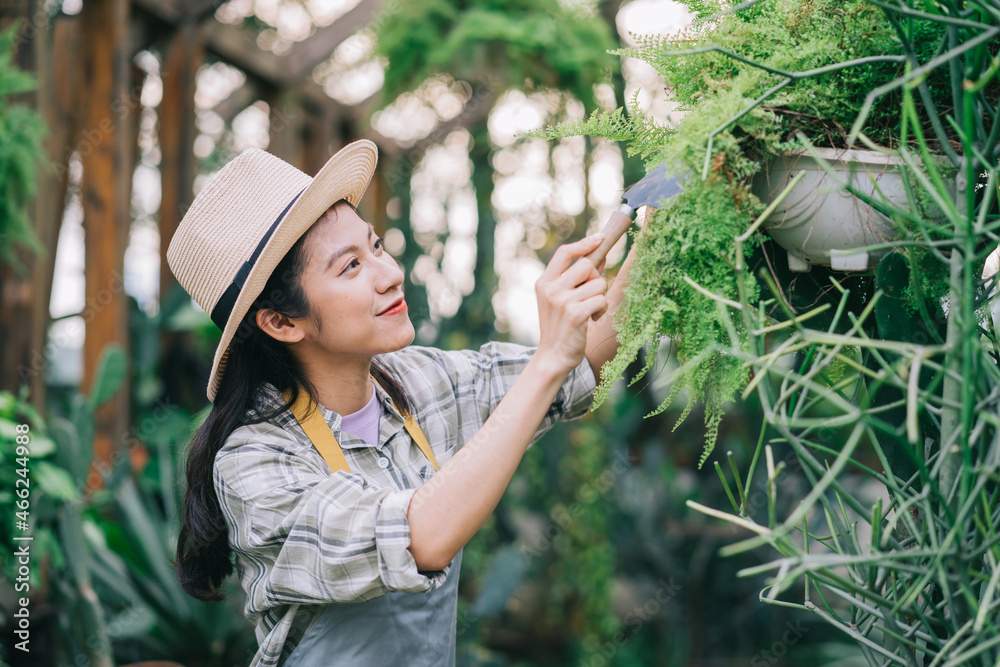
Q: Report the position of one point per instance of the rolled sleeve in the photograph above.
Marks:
(500, 364)
(577, 393)
(392, 538)
(477, 380)
(314, 538)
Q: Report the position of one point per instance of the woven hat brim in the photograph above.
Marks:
(346, 175)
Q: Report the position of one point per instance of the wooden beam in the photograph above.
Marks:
(239, 48)
(178, 11)
(238, 100)
(107, 177)
(304, 56)
(196, 10)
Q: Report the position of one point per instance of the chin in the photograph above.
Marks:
(407, 334)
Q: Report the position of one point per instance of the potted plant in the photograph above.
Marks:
(892, 390)
(756, 83)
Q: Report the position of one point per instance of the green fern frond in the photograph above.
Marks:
(643, 135)
(611, 125)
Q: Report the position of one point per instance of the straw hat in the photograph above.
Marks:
(245, 220)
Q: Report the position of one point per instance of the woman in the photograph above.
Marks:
(315, 468)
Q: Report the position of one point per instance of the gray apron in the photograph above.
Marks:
(413, 629)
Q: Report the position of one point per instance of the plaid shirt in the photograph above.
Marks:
(304, 537)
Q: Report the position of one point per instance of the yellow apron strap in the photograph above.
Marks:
(318, 432)
(411, 426)
(322, 438)
(418, 437)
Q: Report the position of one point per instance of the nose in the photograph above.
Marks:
(390, 274)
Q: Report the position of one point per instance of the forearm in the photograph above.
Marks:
(447, 511)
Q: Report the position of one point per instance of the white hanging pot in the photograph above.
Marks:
(820, 222)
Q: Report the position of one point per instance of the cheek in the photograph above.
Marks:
(348, 308)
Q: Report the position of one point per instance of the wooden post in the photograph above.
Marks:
(106, 154)
(58, 77)
(183, 55)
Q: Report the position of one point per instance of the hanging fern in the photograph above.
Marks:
(721, 143)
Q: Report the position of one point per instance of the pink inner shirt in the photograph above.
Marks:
(364, 423)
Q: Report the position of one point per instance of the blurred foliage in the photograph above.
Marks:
(21, 151)
(132, 527)
(500, 43)
(47, 486)
(102, 553)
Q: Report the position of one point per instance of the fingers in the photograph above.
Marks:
(594, 307)
(599, 285)
(588, 300)
(580, 273)
(565, 254)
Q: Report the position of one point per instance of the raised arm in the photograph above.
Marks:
(447, 511)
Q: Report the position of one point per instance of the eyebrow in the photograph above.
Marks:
(337, 254)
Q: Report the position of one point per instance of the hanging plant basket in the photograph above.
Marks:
(821, 221)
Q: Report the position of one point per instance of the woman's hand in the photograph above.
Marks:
(569, 294)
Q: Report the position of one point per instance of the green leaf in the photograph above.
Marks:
(41, 446)
(7, 404)
(111, 372)
(83, 422)
(67, 441)
(55, 481)
(135, 622)
(7, 430)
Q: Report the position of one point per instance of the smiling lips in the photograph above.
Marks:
(395, 309)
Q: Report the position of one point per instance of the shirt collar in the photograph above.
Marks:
(392, 421)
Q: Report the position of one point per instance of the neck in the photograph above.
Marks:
(342, 386)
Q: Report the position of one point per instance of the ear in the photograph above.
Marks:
(279, 327)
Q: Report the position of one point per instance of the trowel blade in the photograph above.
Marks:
(653, 188)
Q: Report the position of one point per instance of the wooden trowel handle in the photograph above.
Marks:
(617, 224)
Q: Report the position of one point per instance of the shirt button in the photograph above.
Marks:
(383, 462)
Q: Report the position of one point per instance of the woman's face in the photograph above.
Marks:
(354, 289)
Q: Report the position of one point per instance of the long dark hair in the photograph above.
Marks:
(204, 558)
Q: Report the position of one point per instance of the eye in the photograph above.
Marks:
(350, 265)
(377, 245)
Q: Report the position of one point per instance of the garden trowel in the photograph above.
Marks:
(652, 190)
